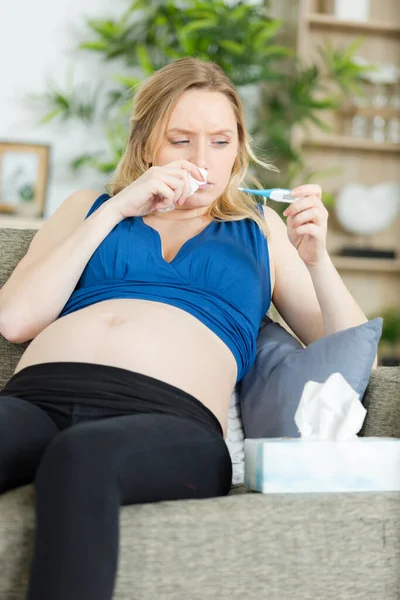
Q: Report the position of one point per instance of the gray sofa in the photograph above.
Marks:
(246, 545)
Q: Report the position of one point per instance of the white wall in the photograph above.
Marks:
(37, 43)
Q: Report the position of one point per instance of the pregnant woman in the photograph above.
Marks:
(142, 320)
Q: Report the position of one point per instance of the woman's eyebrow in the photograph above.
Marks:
(177, 129)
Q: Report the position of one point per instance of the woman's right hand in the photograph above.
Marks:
(158, 187)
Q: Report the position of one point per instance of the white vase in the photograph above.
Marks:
(352, 10)
(366, 210)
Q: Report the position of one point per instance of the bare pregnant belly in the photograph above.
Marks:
(152, 338)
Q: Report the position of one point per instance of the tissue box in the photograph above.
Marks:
(292, 465)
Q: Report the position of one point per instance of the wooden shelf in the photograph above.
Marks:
(19, 222)
(330, 22)
(351, 143)
(350, 263)
(387, 112)
(374, 283)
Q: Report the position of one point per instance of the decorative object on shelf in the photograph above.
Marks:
(364, 211)
(357, 123)
(23, 178)
(347, 142)
(382, 78)
(349, 10)
(393, 131)
(374, 114)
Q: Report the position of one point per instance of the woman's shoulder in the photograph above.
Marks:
(278, 239)
(276, 225)
(85, 195)
(270, 214)
(92, 200)
(81, 200)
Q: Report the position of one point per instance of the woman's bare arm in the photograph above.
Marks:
(313, 301)
(41, 284)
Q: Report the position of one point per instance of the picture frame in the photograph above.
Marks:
(24, 171)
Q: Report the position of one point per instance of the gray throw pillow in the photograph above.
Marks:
(270, 392)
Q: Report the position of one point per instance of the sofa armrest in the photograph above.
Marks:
(382, 401)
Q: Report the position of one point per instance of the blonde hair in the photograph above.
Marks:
(153, 106)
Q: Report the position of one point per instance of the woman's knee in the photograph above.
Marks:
(25, 432)
(79, 453)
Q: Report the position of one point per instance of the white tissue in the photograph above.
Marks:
(194, 185)
(330, 410)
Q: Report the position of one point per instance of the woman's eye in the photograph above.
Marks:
(179, 142)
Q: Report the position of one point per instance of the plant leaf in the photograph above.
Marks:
(144, 58)
(232, 46)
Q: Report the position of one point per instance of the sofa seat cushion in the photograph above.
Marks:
(296, 546)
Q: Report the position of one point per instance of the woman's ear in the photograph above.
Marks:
(146, 161)
(146, 156)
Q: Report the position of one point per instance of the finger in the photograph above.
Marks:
(185, 188)
(312, 215)
(175, 183)
(164, 191)
(190, 167)
(183, 175)
(310, 229)
(301, 204)
(308, 189)
(193, 170)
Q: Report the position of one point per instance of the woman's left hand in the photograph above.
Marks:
(307, 224)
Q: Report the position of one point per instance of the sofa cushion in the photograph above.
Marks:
(382, 401)
(14, 244)
(270, 392)
(280, 546)
(235, 438)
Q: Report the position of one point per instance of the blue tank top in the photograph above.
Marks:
(221, 276)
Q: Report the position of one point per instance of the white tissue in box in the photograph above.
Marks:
(292, 465)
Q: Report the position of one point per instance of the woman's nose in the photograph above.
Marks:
(199, 155)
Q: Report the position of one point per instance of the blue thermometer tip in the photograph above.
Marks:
(277, 194)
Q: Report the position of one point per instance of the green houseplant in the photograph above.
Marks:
(27, 206)
(390, 339)
(244, 40)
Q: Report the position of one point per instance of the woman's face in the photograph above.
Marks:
(203, 130)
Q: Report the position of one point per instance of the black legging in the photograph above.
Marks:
(93, 438)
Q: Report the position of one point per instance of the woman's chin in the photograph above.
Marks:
(202, 197)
